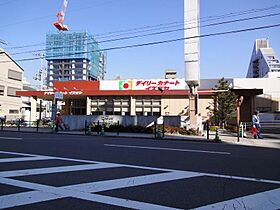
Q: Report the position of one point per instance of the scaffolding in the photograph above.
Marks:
(70, 47)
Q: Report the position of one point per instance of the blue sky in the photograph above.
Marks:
(25, 22)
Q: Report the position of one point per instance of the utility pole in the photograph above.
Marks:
(41, 75)
(192, 56)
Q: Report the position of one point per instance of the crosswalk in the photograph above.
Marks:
(36, 192)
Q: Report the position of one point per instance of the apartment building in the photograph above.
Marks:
(11, 80)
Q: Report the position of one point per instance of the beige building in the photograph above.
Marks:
(269, 101)
(11, 80)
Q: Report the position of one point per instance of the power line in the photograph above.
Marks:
(48, 16)
(3, 42)
(3, 3)
(160, 42)
(201, 20)
(165, 25)
(157, 33)
(182, 29)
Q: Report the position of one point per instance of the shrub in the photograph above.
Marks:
(142, 129)
(213, 128)
(179, 130)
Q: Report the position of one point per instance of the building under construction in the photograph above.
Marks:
(73, 56)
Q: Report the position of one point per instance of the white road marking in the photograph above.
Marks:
(168, 149)
(85, 191)
(90, 161)
(46, 193)
(264, 200)
(131, 181)
(243, 178)
(60, 169)
(19, 159)
(126, 203)
(24, 198)
(27, 185)
(16, 153)
(11, 138)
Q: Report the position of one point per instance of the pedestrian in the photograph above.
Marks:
(256, 125)
(58, 122)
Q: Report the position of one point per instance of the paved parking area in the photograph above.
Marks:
(30, 181)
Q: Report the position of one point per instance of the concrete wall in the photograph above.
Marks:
(174, 105)
(203, 103)
(77, 122)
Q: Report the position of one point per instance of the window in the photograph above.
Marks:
(12, 91)
(13, 111)
(15, 75)
(78, 71)
(139, 113)
(79, 65)
(2, 90)
(97, 113)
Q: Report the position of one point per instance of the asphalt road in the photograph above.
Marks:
(54, 171)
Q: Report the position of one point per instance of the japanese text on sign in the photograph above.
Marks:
(156, 84)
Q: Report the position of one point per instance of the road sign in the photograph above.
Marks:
(58, 95)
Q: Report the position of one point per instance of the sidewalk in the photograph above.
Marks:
(267, 141)
(226, 137)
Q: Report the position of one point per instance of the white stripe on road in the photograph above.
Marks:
(36, 171)
(90, 161)
(19, 199)
(46, 193)
(131, 181)
(122, 202)
(168, 149)
(243, 178)
(11, 138)
(41, 193)
(264, 200)
(19, 159)
(16, 153)
(267, 199)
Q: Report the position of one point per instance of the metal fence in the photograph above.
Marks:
(101, 128)
(32, 126)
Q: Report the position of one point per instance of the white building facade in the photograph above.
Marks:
(11, 80)
(264, 61)
(269, 101)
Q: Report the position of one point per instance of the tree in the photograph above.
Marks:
(224, 103)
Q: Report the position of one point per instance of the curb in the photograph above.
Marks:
(179, 138)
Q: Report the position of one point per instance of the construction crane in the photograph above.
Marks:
(60, 16)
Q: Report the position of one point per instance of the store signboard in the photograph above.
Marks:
(144, 84)
(58, 94)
